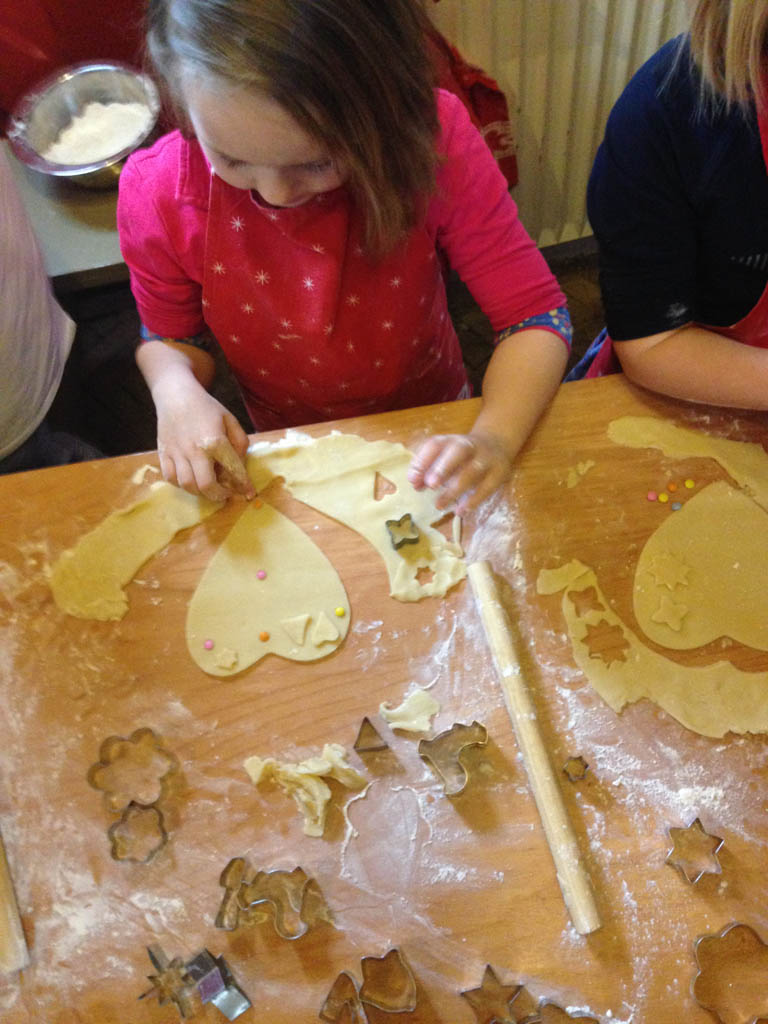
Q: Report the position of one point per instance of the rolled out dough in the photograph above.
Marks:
(237, 616)
(718, 541)
(712, 700)
(87, 581)
(336, 474)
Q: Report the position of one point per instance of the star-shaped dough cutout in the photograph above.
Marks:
(669, 613)
(490, 1002)
(694, 852)
(669, 571)
(606, 642)
(585, 601)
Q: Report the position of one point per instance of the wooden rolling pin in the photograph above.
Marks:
(13, 946)
(571, 873)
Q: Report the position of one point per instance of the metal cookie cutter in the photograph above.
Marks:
(402, 531)
(444, 754)
(369, 739)
(138, 835)
(134, 769)
(203, 979)
(388, 985)
(295, 899)
(732, 968)
(492, 1001)
(694, 851)
(576, 768)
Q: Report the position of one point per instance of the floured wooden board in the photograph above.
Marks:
(454, 883)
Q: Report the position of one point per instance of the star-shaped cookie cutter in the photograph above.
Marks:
(694, 851)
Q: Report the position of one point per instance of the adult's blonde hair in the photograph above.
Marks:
(729, 44)
(353, 73)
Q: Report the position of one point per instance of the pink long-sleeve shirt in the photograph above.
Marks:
(312, 327)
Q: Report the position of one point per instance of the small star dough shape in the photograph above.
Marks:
(304, 781)
(267, 590)
(414, 714)
(668, 571)
(669, 613)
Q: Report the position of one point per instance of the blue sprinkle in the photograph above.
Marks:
(675, 506)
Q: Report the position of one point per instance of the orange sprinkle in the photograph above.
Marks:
(672, 486)
(257, 503)
(264, 636)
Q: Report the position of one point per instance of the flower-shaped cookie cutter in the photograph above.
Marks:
(732, 969)
(138, 835)
(576, 768)
(444, 753)
(388, 985)
(135, 769)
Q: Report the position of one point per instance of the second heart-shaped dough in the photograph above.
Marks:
(702, 574)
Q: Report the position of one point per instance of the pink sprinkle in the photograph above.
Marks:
(208, 645)
(261, 574)
(651, 495)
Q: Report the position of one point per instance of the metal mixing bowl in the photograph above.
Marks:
(41, 115)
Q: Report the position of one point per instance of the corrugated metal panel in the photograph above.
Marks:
(562, 64)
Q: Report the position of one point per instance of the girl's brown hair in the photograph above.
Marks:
(353, 73)
(729, 44)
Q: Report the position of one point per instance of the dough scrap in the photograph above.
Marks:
(303, 781)
(414, 714)
(744, 462)
(266, 569)
(336, 474)
(296, 628)
(87, 580)
(711, 700)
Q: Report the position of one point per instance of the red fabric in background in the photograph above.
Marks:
(481, 95)
(37, 37)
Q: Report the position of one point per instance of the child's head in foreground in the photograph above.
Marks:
(293, 98)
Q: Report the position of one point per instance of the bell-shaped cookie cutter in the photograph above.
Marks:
(388, 985)
(445, 754)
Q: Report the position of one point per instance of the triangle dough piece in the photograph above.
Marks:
(324, 632)
(296, 628)
(236, 614)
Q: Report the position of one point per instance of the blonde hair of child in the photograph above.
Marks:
(729, 44)
(354, 74)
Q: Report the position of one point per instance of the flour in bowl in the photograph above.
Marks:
(101, 131)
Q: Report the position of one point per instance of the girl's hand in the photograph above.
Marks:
(465, 469)
(189, 421)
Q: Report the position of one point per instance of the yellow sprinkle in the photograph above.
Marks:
(689, 484)
(663, 496)
(341, 612)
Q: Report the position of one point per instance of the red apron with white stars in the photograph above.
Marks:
(752, 329)
(312, 328)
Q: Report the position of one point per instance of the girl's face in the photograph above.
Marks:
(254, 143)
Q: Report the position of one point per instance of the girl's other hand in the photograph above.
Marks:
(465, 469)
(186, 422)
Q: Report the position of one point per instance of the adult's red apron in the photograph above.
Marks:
(750, 330)
(312, 328)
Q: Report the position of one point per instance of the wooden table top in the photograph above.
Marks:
(455, 884)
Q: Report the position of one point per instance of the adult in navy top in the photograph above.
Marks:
(678, 200)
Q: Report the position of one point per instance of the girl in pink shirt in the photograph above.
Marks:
(301, 218)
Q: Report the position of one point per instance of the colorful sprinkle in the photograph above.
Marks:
(672, 486)
(208, 645)
(675, 506)
(690, 483)
(264, 636)
(340, 612)
(261, 574)
(651, 495)
(663, 497)
(257, 503)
